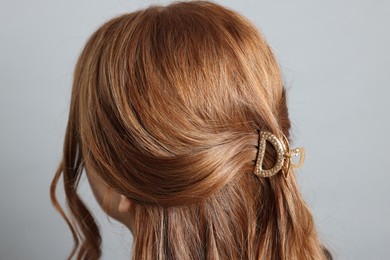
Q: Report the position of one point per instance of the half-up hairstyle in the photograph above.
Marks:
(166, 108)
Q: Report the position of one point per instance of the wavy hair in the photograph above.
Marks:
(166, 107)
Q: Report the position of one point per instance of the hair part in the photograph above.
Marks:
(166, 107)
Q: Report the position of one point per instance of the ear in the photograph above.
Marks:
(124, 204)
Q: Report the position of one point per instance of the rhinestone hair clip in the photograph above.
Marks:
(284, 155)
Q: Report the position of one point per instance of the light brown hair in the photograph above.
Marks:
(166, 107)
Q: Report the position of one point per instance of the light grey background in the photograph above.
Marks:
(335, 58)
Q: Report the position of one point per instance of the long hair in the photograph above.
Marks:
(166, 107)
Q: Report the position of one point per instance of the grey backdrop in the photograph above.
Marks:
(335, 59)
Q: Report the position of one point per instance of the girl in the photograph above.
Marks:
(178, 115)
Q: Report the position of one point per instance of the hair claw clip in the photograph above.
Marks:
(284, 155)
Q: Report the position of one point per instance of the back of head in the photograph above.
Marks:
(166, 108)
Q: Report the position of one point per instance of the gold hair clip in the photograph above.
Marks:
(284, 155)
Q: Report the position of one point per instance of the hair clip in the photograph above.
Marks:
(284, 155)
